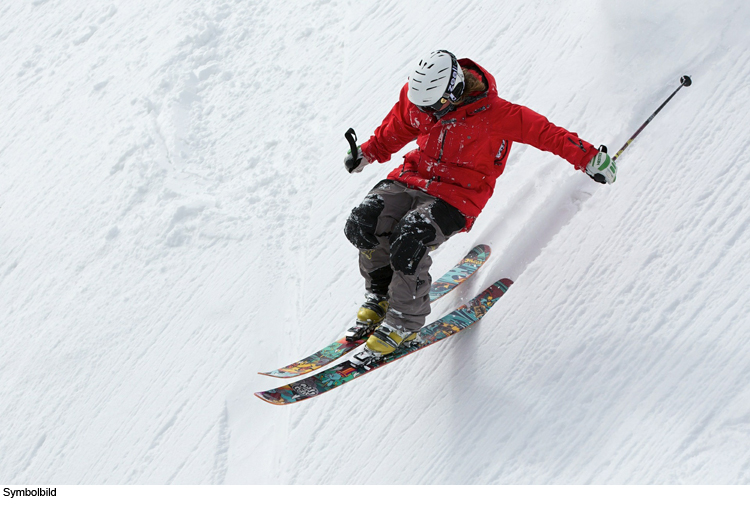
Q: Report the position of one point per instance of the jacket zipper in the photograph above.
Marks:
(443, 136)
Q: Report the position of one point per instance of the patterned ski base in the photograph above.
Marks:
(449, 281)
(473, 260)
(344, 372)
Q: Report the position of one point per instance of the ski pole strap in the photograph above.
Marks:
(684, 81)
(351, 136)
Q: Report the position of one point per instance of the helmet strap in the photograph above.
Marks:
(456, 85)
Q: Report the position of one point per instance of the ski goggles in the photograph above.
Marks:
(435, 107)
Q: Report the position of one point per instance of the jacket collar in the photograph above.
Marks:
(484, 97)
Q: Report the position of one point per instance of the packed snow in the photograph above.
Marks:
(172, 204)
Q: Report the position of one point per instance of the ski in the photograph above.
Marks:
(458, 274)
(450, 324)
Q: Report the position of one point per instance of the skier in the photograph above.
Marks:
(464, 133)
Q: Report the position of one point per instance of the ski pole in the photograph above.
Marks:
(351, 136)
(684, 81)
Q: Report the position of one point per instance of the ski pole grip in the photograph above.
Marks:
(351, 136)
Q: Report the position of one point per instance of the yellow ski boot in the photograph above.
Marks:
(370, 315)
(387, 339)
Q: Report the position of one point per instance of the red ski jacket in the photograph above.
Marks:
(460, 155)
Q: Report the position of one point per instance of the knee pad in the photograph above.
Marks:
(409, 242)
(362, 222)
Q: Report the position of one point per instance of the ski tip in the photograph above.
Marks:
(276, 374)
(483, 248)
(500, 286)
(262, 397)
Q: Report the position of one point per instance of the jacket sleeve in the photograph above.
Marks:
(526, 126)
(394, 132)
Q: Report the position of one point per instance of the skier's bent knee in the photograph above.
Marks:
(409, 242)
(362, 222)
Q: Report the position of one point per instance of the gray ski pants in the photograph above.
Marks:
(395, 228)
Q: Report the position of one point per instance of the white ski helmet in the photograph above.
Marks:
(435, 77)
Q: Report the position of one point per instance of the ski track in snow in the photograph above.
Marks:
(172, 201)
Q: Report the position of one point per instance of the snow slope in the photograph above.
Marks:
(172, 203)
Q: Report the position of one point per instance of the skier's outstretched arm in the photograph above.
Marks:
(530, 127)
